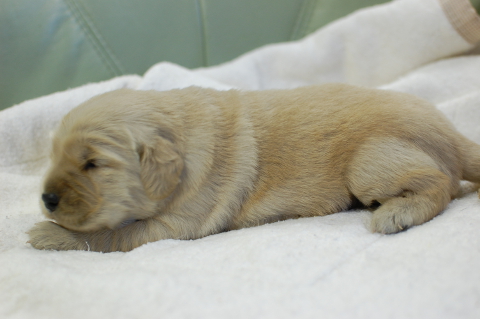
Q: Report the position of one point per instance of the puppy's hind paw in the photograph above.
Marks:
(390, 222)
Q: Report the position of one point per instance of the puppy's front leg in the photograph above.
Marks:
(49, 235)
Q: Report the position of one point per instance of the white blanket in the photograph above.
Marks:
(322, 267)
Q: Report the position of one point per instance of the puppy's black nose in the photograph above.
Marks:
(50, 201)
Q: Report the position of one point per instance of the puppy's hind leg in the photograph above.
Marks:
(404, 180)
(422, 195)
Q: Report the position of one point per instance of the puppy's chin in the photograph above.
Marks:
(94, 222)
(85, 227)
(98, 224)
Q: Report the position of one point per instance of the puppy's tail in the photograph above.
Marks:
(471, 161)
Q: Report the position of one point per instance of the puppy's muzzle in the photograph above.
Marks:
(50, 201)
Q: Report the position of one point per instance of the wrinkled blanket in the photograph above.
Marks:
(322, 267)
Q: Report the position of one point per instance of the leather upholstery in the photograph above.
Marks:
(52, 45)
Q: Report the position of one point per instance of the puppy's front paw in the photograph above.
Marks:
(48, 235)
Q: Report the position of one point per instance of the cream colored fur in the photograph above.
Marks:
(132, 167)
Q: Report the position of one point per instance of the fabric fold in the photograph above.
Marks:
(464, 18)
(370, 47)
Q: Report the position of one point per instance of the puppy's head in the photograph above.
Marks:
(100, 175)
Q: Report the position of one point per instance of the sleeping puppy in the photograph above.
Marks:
(132, 167)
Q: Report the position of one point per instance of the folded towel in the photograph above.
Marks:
(331, 266)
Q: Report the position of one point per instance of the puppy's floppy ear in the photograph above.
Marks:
(161, 166)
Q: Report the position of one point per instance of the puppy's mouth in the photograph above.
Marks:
(127, 222)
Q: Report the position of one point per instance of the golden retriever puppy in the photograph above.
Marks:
(132, 167)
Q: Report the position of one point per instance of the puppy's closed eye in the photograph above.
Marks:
(89, 165)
